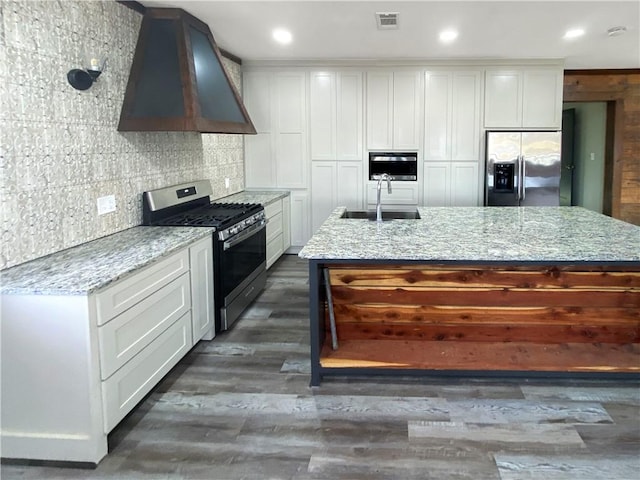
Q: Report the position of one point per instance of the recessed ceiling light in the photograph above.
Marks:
(282, 36)
(448, 36)
(574, 33)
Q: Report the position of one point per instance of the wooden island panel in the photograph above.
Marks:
(535, 318)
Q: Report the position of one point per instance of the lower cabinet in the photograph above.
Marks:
(300, 223)
(123, 390)
(334, 184)
(73, 366)
(201, 274)
(403, 195)
(275, 231)
(286, 223)
(451, 184)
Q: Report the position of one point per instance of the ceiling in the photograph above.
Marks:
(346, 30)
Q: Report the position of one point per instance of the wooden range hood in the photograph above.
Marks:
(177, 81)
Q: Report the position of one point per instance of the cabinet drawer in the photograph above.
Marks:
(131, 383)
(127, 334)
(273, 208)
(126, 293)
(401, 194)
(274, 227)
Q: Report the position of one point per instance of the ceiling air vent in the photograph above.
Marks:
(387, 20)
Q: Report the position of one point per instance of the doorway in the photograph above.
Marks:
(587, 155)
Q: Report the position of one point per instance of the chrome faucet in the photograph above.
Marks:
(382, 177)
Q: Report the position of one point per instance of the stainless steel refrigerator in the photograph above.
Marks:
(523, 168)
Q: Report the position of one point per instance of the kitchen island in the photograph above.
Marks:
(476, 291)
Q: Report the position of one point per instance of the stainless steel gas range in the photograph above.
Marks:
(239, 242)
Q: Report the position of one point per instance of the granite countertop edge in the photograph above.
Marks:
(92, 266)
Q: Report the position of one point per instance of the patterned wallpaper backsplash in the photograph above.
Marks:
(59, 147)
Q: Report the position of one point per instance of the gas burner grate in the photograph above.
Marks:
(219, 215)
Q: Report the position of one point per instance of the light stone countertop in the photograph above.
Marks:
(263, 197)
(93, 265)
(480, 234)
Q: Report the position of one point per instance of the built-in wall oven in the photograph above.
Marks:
(402, 166)
(239, 242)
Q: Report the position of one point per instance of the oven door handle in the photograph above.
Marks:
(242, 236)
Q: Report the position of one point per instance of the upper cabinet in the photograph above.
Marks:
(452, 115)
(525, 97)
(393, 110)
(335, 115)
(277, 155)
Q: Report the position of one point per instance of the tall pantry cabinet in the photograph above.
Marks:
(335, 125)
(277, 158)
(452, 137)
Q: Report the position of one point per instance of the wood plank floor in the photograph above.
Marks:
(240, 407)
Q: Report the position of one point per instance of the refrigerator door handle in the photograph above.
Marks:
(523, 176)
(519, 174)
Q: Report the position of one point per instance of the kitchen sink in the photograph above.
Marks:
(386, 214)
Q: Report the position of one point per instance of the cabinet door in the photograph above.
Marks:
(260, 165)
(406, 110)
(300, 224)
(286, 223)
(379, 110)
(202, 307)
(402, 194)
(349, 116)
(437, 181)
(323, 192)
(290, 124)
(464, 184)
(465, 118)
(542, 98)
(274, 233)
(349, 188)
(437, 118)
(503, 98)
(322, 115)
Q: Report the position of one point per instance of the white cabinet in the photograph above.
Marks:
(451, 184)
(74, 365)
(393, 110)
(127, 386)
(202, 306)
(260, 166)
(403, 195)
(277, 229)
(437, 184)
(335, 115)
(280, 158)
(286, 223)
(452, 115)
(523, 98)
(323, 192)
(334, 184)
(277, 155)
(300, 222)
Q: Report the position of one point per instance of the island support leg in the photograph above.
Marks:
(316, 319)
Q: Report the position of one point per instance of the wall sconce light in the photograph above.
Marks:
(83, 79)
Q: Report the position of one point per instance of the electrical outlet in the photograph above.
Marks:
(226, 183)
(106, 204)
